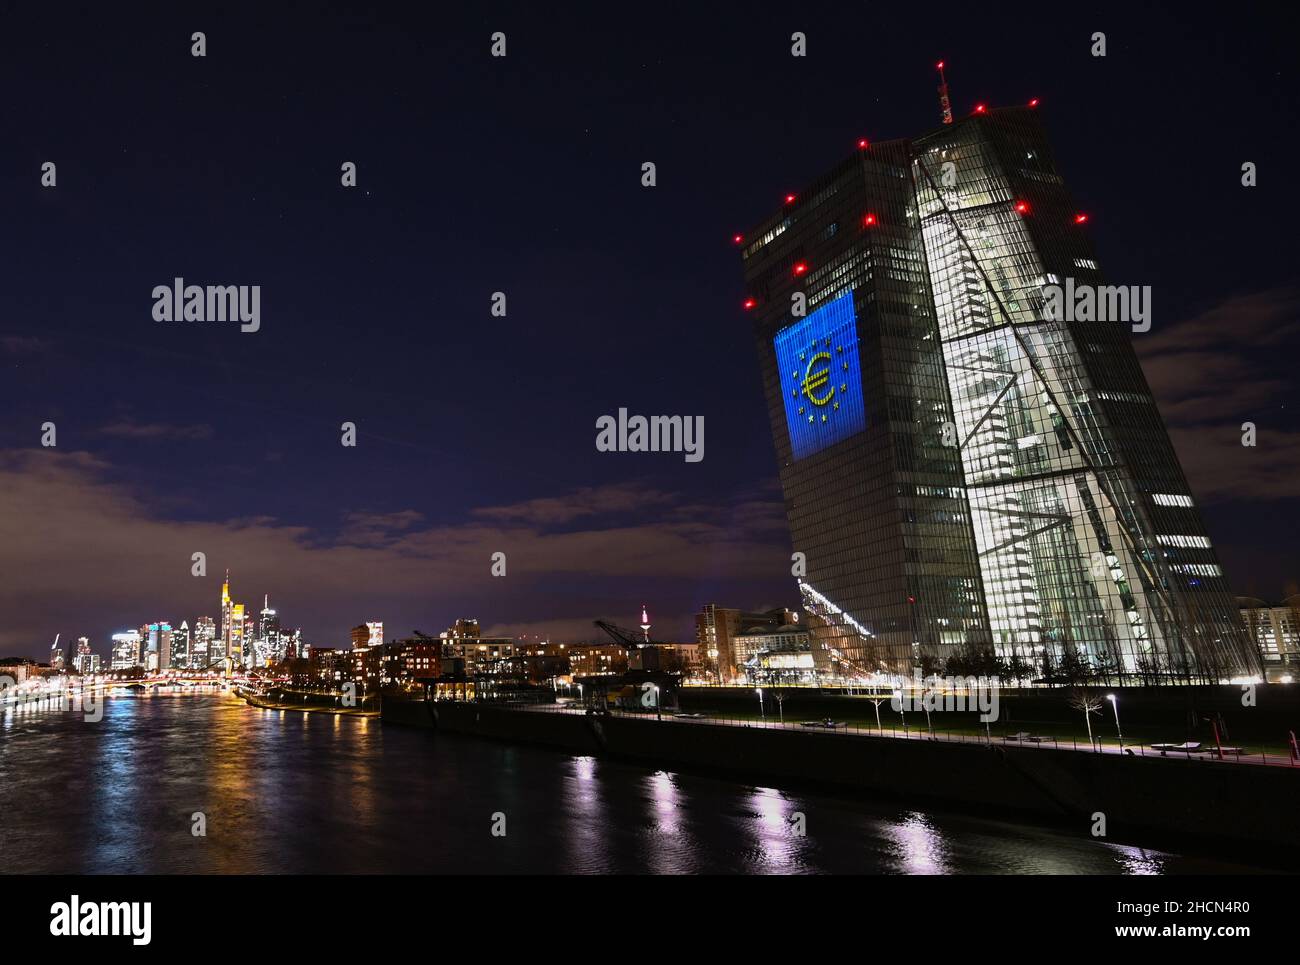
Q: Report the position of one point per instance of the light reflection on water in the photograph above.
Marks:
(315, 793)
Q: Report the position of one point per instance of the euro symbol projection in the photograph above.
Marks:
(820, 379)
(812, 381)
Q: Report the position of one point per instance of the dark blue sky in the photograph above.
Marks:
(522, 175)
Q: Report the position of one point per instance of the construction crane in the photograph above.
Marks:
(630, 640)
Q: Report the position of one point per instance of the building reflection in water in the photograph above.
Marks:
(917, 845)
(586, 808)
(778, 845)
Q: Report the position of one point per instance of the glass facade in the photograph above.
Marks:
(1011, 487)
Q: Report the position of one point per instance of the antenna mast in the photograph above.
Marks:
(943, 95)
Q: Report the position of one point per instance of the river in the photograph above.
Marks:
(278, 791)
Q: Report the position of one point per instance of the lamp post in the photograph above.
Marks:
(761, 713)
(1114, 705)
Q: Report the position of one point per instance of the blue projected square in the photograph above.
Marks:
(817, 359)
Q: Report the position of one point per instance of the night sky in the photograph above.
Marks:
(523, 175)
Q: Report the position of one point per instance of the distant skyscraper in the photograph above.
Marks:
(376, 633)
(157, 645)
(268, 648)
(126, 650)
(180, 648)
(237, 651)
(203, 650)
(963, 467)
(227, 620)
(56, 655)
(86, 662)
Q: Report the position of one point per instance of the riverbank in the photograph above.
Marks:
(268, 702)
(1216, 804)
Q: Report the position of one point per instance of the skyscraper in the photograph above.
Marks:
(227, 612)
(126, 650)
(180, 648)
(204, 649)
(86, 662)
(966, 468)
(157, 645)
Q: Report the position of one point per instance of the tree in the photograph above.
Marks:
(1074, 667)
(1087, 702)
(1106, 666)
(931, 666)
(1148, 668)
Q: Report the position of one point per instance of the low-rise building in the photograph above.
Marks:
(1275, 630)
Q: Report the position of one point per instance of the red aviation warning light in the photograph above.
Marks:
(737, 239)
(868, 220)
(980, 108)
(1022, 207)
(1033, 102)
(862, 143)
(749, 303)
(789, 199)
(800, 268)
(1080, 218)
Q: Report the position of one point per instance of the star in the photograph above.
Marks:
(810, 418)
(837, 405)
(823, 417)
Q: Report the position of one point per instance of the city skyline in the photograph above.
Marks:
(243, 462)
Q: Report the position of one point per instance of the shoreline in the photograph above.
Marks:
(1208, 807)
(254, 701)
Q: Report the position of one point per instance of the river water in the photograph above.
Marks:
(279, 791)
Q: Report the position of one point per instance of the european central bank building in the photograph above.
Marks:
(966, 467)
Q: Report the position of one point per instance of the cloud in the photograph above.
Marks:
(589, 502)
(1209, 376)
(128, 429)
(85, 554)
(23, 344)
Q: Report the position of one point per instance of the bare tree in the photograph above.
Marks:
(1087, 702)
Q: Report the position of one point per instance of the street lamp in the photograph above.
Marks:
(1114, 705)
(761, 713)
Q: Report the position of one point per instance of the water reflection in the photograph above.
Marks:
(315, 793)
(918, 845)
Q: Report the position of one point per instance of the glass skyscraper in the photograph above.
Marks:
(970, 466)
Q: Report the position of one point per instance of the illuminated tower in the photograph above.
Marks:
(645, 623)
(223, 650)
(963, 470)
(180, 648)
